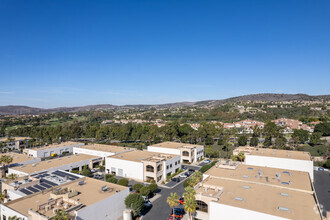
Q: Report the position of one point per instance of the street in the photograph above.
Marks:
(322, 188)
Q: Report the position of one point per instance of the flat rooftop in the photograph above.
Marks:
(18, 158)
(175, 145)
(4, 139)
(106, 148)
(275, 201)
(88, 193)
(279, 178)
(267, 152)
(139, 156)
(53, 163)
(69, 143)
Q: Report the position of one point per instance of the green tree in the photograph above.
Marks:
(254, 141)
(145, 191)
(61, 215)
(190, 205)
(153, 187)
(173, 200)
(242, 140)
(86, 172)
(13, 218)
(123, 182)
(209, 141)
(135, 202)
(327, 164)
(2, 197)
(315, 138)
(137, 187)
(12, 176)
(112, 180)
(280, 142)
(268, 141)
(241, 156)
(323, 128)
(301, 135)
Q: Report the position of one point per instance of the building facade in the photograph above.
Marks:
(54, 149)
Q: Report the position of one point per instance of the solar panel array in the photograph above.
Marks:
(46, 184)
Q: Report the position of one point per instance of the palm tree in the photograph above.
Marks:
(61, 215)
(173, 200)
(189, 192)
(13, 218)
(12, 176)
(190, 205)
(2, 197)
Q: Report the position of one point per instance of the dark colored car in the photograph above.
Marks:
(191, 170)
(97, 176)
(175, 179)
(181, 200)
(184, 167)
(178, 212)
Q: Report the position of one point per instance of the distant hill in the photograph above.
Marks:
(267, 97)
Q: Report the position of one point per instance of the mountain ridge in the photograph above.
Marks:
(267, 97)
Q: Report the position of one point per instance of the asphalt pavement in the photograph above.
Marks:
(322, 188)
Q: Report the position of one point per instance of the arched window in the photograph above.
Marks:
(185, 153)
(159, 167)
(150, 168)
(201, 206)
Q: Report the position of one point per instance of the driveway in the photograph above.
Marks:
(160, 209)
(322, 188)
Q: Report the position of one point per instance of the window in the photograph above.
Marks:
(150, 168)
(159, 167)
(170, 165)
(185, 153)
(201, 206)
(4, 217)
(167, 167)
(176, 163)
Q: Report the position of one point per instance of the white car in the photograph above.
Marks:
(183, 175)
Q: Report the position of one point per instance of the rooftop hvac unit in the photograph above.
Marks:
(104, 188)
(81, 183)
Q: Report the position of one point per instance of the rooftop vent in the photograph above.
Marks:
(283, 208)
(250, 168)
(284, 194)
(286, 183)
(239, 199)
(288, 155)
(287, 172)
(81, 183)
(104, 188)
(246, 187)
(245, 176)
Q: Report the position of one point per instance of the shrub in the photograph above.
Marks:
(135, 202)
(86, 172)
(153, 187)
(123, 182)
(137, 187)
(107, 177)
(112, 180)
(186, 183)
(145, 191)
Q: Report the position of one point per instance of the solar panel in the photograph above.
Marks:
(25, 191)
(39, 187)
(45, 185)
(49, 183)
(32, 189)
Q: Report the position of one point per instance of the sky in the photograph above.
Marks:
(77, 52)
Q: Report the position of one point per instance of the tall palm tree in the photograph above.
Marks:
(173, 200)
(189, 192)
(2, 197)
(61, 215)
(12, 176)
(190, 205)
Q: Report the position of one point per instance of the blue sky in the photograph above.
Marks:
(70, 53)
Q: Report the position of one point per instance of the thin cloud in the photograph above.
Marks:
(6, 93)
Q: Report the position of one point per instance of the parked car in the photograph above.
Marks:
(191, 170)
(147, 204)
(98, 176)
(178, 212)
(175, 179)
(181, 200)
(174, 218)
(183, 175)
(187, 173)
(321, 169)
(184, 167)
(207, 161)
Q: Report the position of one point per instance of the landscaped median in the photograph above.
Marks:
(208, 166)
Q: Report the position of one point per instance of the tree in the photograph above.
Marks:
(153, 187)
(280, 142)
(254, 141)
(86, 172)
(61, 215)
(301, 135)
(268, 141)
(12, 176)
(137, 187)
(327, 164)
(242, 140)
(112, 180)
(315, 138)
(209, 141)
(241, 156)
(190, 205)
(13, 218)
(323, 128)
(173, 200)
(145, 191)
(2, 197)
(135, 202)
(123, 182)
(189, 191)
